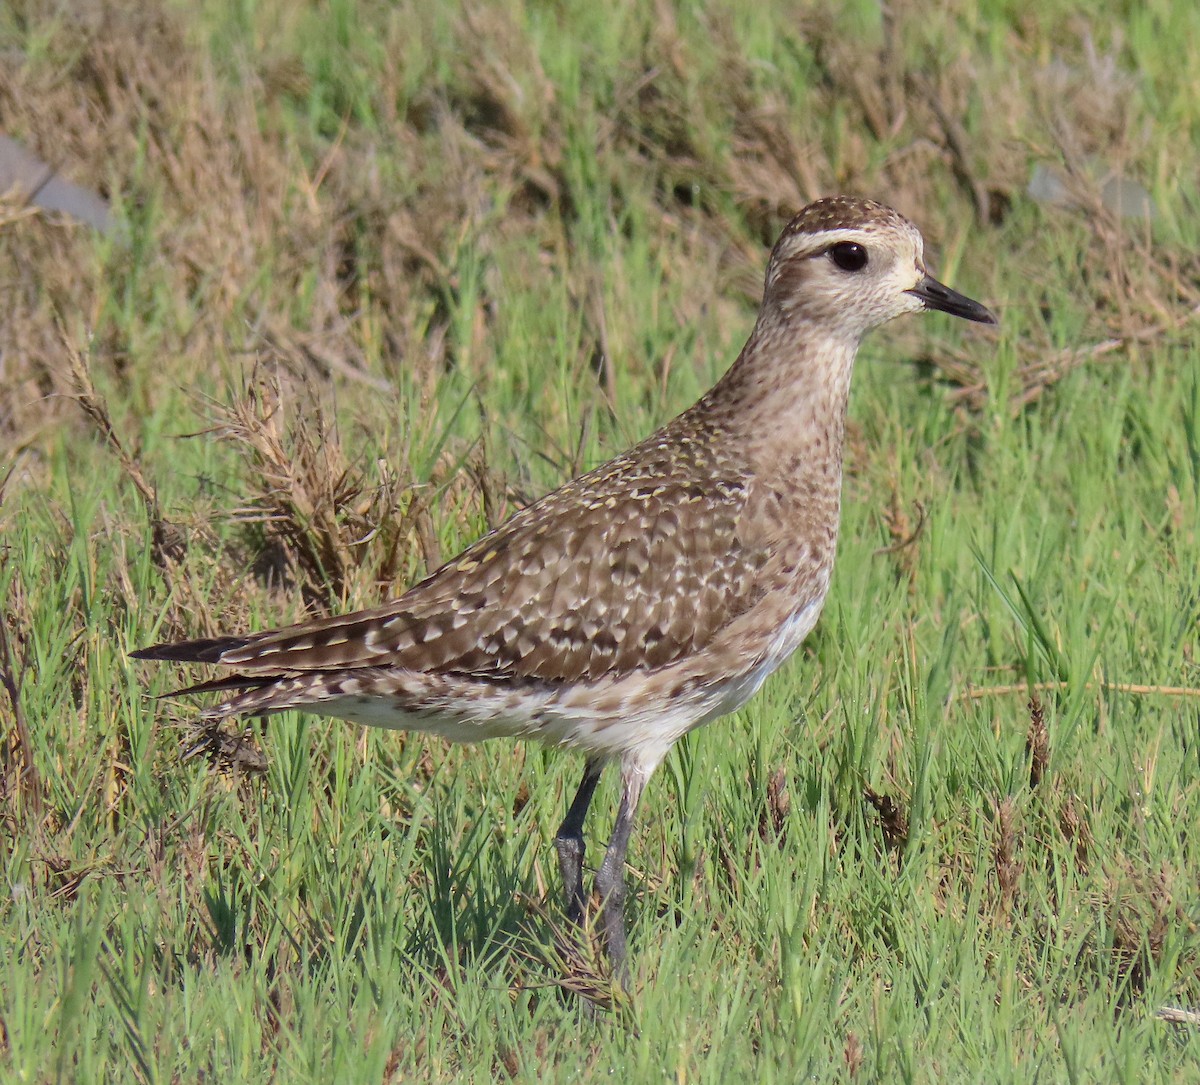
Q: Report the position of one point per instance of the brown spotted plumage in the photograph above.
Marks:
(643, 598)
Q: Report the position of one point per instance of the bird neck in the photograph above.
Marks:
(782, 407)
(788, 388)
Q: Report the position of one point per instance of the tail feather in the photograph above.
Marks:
(229, 682)
(251, 694)
(263, 696)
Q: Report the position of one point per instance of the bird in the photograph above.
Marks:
(641, 599)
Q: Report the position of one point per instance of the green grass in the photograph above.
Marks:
(466, 253)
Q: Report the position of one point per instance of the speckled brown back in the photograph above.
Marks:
(634, 565)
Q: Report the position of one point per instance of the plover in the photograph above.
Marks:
(647, 597)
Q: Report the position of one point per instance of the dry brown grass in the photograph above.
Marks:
(217, 188)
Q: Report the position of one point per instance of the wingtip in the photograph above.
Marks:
(147, 653)
(207, 650)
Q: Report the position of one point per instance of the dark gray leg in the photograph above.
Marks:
(569, 841)
(610, 878)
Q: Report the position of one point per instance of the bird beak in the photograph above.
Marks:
(936, 296)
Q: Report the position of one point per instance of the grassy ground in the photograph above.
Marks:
(385, 271)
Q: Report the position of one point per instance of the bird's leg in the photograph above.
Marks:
(569, 841)
(610, 878)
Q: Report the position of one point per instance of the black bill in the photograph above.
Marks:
(937, 296)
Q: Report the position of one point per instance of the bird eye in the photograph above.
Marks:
(848, 255)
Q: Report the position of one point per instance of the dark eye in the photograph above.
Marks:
(848, 255)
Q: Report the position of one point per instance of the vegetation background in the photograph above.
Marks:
(381, 272)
